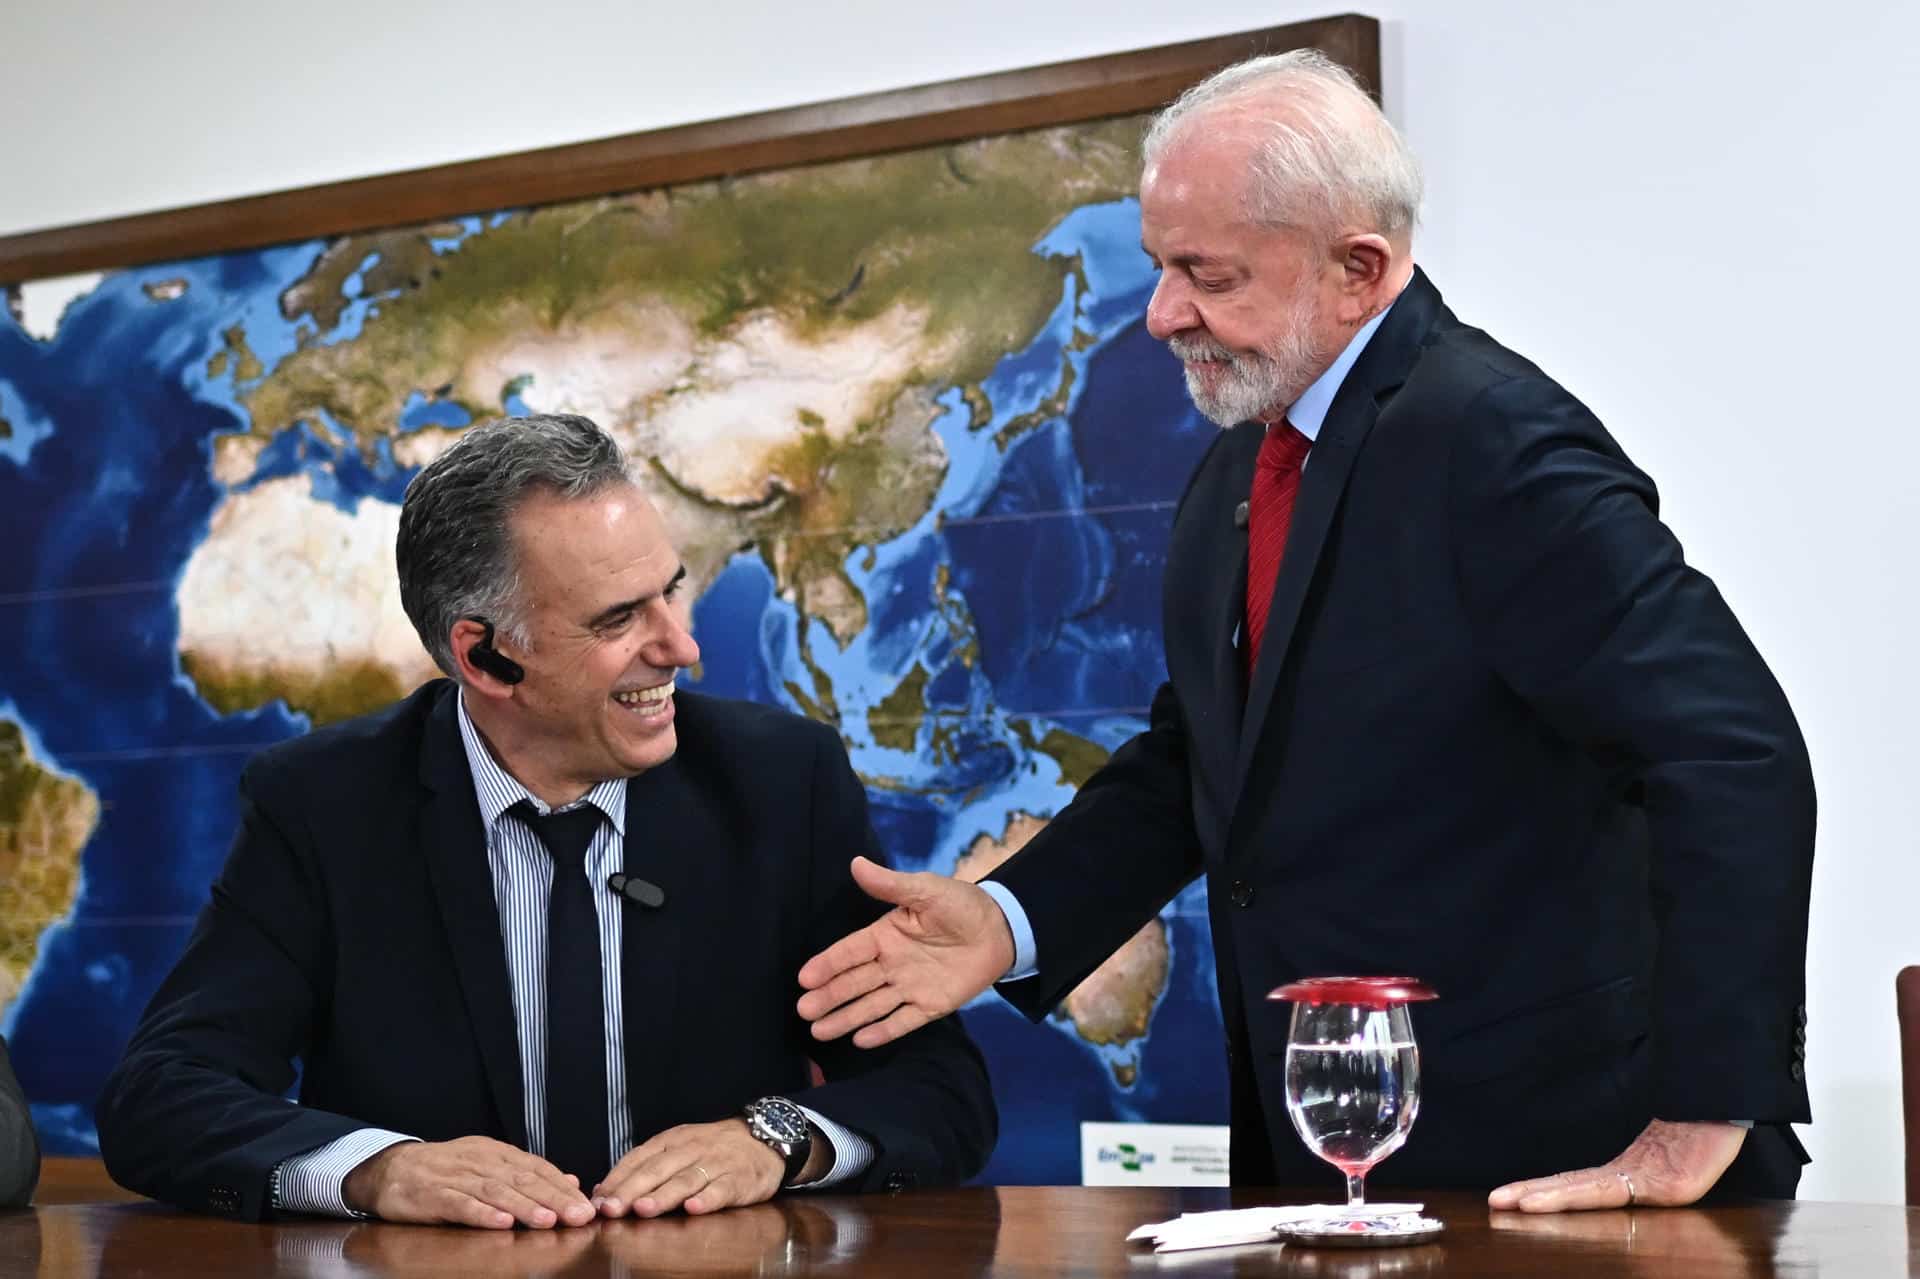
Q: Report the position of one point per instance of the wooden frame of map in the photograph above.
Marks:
(1058, 93)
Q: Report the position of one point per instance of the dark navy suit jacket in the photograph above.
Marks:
(354, 929)
(1502, 738)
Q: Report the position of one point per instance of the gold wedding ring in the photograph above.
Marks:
(1631, 1199)
(706, 1178)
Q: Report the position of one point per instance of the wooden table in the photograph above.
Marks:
(1018, 1230)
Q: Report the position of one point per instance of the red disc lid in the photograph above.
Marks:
(1369, 992)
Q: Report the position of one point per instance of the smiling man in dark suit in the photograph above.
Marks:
(422, 908)
(1444, 699)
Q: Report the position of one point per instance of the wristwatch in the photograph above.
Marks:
(780, 1124)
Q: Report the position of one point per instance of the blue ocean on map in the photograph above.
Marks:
(1045, 546)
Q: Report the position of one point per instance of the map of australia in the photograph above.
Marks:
(913, 445)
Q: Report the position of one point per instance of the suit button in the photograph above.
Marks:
(1800, 1014)
(1798, 1070)
(1241, 893)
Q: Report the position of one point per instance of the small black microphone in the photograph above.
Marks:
(1240, 515)
(636, 889)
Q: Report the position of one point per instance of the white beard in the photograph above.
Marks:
(1261, 384)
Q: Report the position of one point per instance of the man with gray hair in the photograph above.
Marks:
(1444, 699)
(530, 933)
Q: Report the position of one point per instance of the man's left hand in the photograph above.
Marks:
(1668, 1165)
(699, 1167)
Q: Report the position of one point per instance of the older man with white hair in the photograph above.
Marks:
(1444, 698)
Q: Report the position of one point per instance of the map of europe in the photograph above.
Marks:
(915, 447)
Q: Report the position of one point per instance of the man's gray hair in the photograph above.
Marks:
(1324, 155)
(455, 550)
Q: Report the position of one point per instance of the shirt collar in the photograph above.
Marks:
(498, 790)
(1309, 412)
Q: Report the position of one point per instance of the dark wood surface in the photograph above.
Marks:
(77, 1181)
(1021, 1230)
(1063, 92)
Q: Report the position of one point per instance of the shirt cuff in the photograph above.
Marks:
(1026, 956)
(314, 1182)
(852, 1153)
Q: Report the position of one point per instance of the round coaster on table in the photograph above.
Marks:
(1361, 1232)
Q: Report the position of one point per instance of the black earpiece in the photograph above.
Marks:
(491, 660)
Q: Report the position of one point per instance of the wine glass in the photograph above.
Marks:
(1353, 1069)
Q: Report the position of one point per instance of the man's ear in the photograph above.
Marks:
(483, 670)
(1368, 264)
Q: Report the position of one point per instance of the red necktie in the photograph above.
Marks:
(1276, 481)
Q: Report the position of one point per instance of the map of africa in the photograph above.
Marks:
(915, 447)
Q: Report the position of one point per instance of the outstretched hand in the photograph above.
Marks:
(1668, 1165)
(943, 942)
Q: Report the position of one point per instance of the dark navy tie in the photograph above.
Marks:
(576, 1026)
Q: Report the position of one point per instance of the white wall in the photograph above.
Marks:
(1694, 214)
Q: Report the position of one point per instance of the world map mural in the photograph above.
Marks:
(901, 415)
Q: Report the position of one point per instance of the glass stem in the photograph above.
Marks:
(1356, 1191)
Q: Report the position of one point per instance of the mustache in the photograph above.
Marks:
(1190, 349)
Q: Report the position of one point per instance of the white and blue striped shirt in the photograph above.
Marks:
(522, 884)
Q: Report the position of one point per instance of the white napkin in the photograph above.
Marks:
(1251, 1225)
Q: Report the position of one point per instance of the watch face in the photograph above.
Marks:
(781, 1119)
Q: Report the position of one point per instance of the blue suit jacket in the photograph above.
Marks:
(354, 928)
(1501, 737)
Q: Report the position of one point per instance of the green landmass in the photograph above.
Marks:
(45, 820)
(340, 690)
(838, 495)
(979, 408)
(1078, 758)
(895, 719)
(6, 429)
(406, 261)
(942, 234)
(246, 366)
(821, 705)
(945, 229)
(943, 743)
(825, 713)
(1055, 405)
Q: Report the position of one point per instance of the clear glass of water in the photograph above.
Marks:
(1353, 1070)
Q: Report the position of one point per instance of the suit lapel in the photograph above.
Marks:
(1224, 592)
(664, 833)
(1381, 368)
(456, 849)
(1329, 466)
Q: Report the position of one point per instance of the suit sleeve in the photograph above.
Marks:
(924, 1101)
(19, 1146)
(196, 1112)
(1588, 611)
